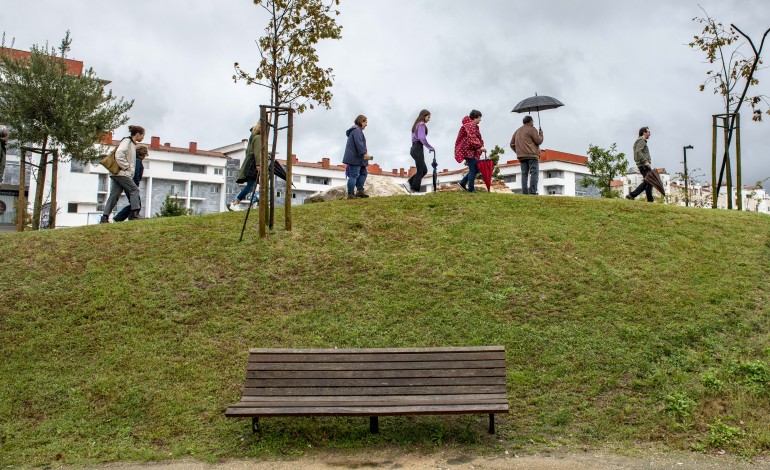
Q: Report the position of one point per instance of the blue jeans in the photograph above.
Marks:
(357, 178)
(473, 170)
(245, 191)
(124, 213)
(530, 170)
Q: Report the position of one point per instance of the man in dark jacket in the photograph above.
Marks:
(356, 158)
(3, 150)
(141, 154)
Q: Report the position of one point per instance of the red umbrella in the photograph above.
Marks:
(486, 166)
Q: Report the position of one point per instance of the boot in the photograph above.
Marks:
(135, 215)
(360, 193)
(105, 219)
(352, 196)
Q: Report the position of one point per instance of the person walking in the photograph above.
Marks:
(468, 148)
(125, 156)
(643, 162)
(125, 213)
(3, 149)
(419, 142)
(357, 158)
(249, 171)
(526, 143)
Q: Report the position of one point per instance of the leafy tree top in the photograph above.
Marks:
(288, 58)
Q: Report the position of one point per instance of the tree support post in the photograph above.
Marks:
(739, 187)
(22, 210)
(289, 162)
(714, 188)
(54, 176)
(263, 196)
(374, 424)
(491, 423)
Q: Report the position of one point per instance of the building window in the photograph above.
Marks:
(554, 190)
(294, 196)
(189, 168)
(317, 180)
(146, 163)
(554, 174)
(278, 194)
(103, 183)
(509, 179)
(77, 167)
(72, 207)
(216, 189)
(219, 171)
(296, 178)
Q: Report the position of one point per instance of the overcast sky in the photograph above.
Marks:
(615, 65)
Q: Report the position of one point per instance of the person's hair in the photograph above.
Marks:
(527, 119)
(643, 130)
(133, 130)
(142, 151)
(475, 114)
(257, 129)
(360, 120)
(3, 132)
(421, 118)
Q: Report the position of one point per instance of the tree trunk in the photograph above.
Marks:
(41, 170)
(54, 176)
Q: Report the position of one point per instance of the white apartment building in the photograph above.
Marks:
(196, 177)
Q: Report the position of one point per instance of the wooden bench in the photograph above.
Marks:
(373, 382)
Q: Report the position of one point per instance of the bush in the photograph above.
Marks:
(172, 207)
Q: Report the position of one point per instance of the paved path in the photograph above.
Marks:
(457, 460)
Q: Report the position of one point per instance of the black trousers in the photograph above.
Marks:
(418, 153)
(645, 186)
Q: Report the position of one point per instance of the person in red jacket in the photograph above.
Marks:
(468, 148)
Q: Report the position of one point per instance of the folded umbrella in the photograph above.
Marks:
(435, 172)
(486, 166)
(652, 178)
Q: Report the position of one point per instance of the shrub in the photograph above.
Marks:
(173, 207)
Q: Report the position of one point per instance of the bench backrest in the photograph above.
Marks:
(375, 372)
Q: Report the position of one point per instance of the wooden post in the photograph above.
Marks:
(714, 189)
(374, 425)
(263, 171)
(289, 161)
(728, 171)
(739, 187)
(40, 187)
(22, 212)
(54, 177)
(491, 423)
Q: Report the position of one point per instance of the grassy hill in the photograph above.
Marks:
(626, 324)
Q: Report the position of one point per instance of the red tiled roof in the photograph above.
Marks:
(74, 67)
(555, 156)
(168, 148)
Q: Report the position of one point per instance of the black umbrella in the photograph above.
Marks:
(435, 172)
(537, 103)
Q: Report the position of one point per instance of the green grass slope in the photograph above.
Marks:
(625, 323)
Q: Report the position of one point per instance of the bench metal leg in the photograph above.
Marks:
(491, 423)
(374, 424)
(255, 424)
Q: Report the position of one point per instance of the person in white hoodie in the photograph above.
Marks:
(125, 155)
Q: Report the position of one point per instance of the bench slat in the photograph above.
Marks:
(381, 357)
(377, 365)
(412, 399)
(375, 391)
(374, 382)
(367, 411)
(448, 349)
(371, 374)
(370, 402)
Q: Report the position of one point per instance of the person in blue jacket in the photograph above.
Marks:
(356, 158)
(141, 154)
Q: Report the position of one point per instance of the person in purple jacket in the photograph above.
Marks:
(419, 141)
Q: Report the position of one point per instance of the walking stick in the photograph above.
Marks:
(248, 211)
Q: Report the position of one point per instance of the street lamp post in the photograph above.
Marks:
(686, 179)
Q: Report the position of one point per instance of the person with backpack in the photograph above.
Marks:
(125, 213)
(357, 158)
(468, 148)
(249, 168)
(419, 141)
(125, 156)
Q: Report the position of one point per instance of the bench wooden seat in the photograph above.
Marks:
(373, 382)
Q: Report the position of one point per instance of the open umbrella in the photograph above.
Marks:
(652, 178)
(435, 172)
(486, 166)
(537, 103)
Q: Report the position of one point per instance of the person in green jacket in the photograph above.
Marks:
(249, 169)
(644, 163)
(3, 150)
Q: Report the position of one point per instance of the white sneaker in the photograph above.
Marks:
(233, 207)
